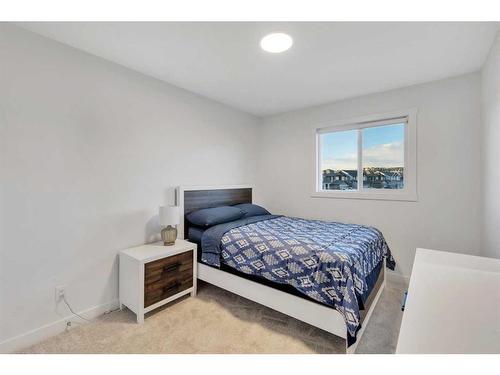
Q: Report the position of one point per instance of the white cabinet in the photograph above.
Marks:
(453, 305)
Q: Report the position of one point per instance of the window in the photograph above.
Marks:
(383, 156)
(373, 158)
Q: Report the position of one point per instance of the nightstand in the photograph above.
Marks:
(153, 275)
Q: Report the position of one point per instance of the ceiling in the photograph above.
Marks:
(329, 61)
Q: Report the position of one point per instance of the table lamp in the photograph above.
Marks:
(169, 217)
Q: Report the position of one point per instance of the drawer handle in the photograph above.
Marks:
(167, 289)
(171, 267)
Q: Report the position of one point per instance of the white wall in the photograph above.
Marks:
(89, 150)
(446, 216)
(490, 100)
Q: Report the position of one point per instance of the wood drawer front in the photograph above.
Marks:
(162, 268)
(159, 291)
(165, 277)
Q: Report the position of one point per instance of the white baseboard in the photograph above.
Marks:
(36, 335)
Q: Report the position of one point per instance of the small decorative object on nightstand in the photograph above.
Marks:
(169, 215)
(153, 275)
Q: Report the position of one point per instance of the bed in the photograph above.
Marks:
(327, 274)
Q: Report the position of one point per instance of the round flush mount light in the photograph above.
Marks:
(276, 42)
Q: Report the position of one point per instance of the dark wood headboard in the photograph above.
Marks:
(196, 198)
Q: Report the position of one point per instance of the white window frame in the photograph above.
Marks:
(409, 191)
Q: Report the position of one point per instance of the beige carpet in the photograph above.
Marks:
(217, 321)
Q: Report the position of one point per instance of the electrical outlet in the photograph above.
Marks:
(60, 290)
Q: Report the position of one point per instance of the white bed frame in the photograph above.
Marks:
(309, 312)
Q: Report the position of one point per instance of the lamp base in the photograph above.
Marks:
(169, 235)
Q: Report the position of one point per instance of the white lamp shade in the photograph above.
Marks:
(169, 215)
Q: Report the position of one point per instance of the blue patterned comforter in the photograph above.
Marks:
(327, 261)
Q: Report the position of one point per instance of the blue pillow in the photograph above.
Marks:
(213, 216)
(250, 209)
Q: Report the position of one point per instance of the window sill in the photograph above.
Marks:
(385, 196)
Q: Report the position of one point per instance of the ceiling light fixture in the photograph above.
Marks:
(276, 42)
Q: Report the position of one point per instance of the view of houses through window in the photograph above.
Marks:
(382, 158)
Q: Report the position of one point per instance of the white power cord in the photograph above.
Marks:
(74, 313)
